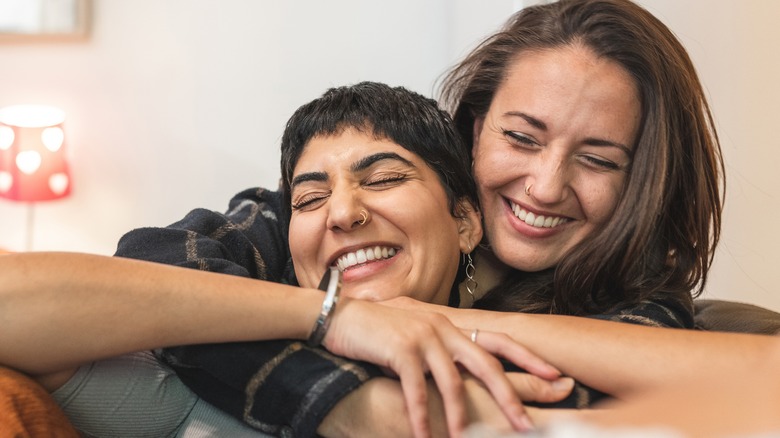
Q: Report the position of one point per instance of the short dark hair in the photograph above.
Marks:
(406, 118)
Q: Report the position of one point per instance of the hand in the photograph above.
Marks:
(412, 343)
(482, 407)
(374, 408)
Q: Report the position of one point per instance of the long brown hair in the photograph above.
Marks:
(663, 232)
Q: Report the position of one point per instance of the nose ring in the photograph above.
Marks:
(528, 190)
(363, 217)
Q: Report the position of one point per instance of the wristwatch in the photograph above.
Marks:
(331, 284)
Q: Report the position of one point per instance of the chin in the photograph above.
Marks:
(366, 294)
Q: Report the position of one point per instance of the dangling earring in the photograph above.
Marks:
(471, 283)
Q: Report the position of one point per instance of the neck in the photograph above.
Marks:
(488, 273)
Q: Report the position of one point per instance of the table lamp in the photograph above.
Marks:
(33, 165)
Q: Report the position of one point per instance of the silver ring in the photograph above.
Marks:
(474, 335)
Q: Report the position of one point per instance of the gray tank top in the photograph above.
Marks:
(136, 396)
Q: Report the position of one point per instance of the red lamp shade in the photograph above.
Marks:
(33, 166)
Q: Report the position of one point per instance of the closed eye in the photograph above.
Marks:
(599, 162)
(309, 201)
(520, 139)
(385, 180)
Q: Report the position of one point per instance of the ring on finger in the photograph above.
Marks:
(474, 335)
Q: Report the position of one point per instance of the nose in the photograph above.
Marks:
(345, 209)
(549, 178)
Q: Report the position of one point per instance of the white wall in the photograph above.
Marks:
(175, 104)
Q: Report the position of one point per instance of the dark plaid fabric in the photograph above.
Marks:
(282, 388)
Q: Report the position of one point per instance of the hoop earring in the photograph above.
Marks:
(363, 217)
(471, 283)
(528, 190)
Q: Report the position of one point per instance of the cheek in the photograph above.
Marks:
(496, 164)
(601, 199)
(304, 246)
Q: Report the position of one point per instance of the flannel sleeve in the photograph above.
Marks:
(280, 387)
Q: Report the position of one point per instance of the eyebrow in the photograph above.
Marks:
(538, 124)
(368, 161)
(358, 166)
(309, 176)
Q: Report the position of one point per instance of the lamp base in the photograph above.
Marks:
(28, 244)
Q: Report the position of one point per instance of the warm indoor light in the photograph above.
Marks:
(33, 165)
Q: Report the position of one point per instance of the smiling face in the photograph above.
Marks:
(409, 244)
(562, 124)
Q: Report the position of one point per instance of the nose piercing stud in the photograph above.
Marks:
(363, 217)
(528, 190)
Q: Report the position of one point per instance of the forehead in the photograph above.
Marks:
(345, 148)
(567, 80)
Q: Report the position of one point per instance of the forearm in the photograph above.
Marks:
(745, 401)
(375, 409)
(60, 310)
(619, 358)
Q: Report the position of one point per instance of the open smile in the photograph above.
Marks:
(537, 220)
(364, 255)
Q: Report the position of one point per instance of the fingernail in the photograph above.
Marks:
(564, 384)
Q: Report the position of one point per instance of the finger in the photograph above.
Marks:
(533, 388)
(504, 346)
(450, 384)
(489, 371)
(486, 368)
(413, 385)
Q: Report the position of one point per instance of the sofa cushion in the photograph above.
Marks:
(730, 316)
(27, 410)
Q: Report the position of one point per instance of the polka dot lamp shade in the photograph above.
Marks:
(33, 164)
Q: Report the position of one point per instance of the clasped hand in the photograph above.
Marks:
(412, 344)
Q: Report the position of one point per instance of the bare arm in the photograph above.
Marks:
(377, 407)
(60, 310)
(615, 358)
(741, 400)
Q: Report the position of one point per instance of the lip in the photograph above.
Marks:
(530, 230)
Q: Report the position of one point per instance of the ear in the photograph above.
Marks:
(469, 226)
(479, 122)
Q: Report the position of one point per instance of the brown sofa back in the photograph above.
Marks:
(730, 316)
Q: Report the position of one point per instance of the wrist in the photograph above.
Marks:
(331, 285)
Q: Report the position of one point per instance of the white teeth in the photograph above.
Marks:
(537, 221)
(364, 255)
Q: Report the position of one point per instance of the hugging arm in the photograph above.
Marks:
(632, 349)
(280, 386)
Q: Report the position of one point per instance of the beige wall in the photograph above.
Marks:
(733, 45)
(174, 104)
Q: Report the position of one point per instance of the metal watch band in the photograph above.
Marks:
(331, 284)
